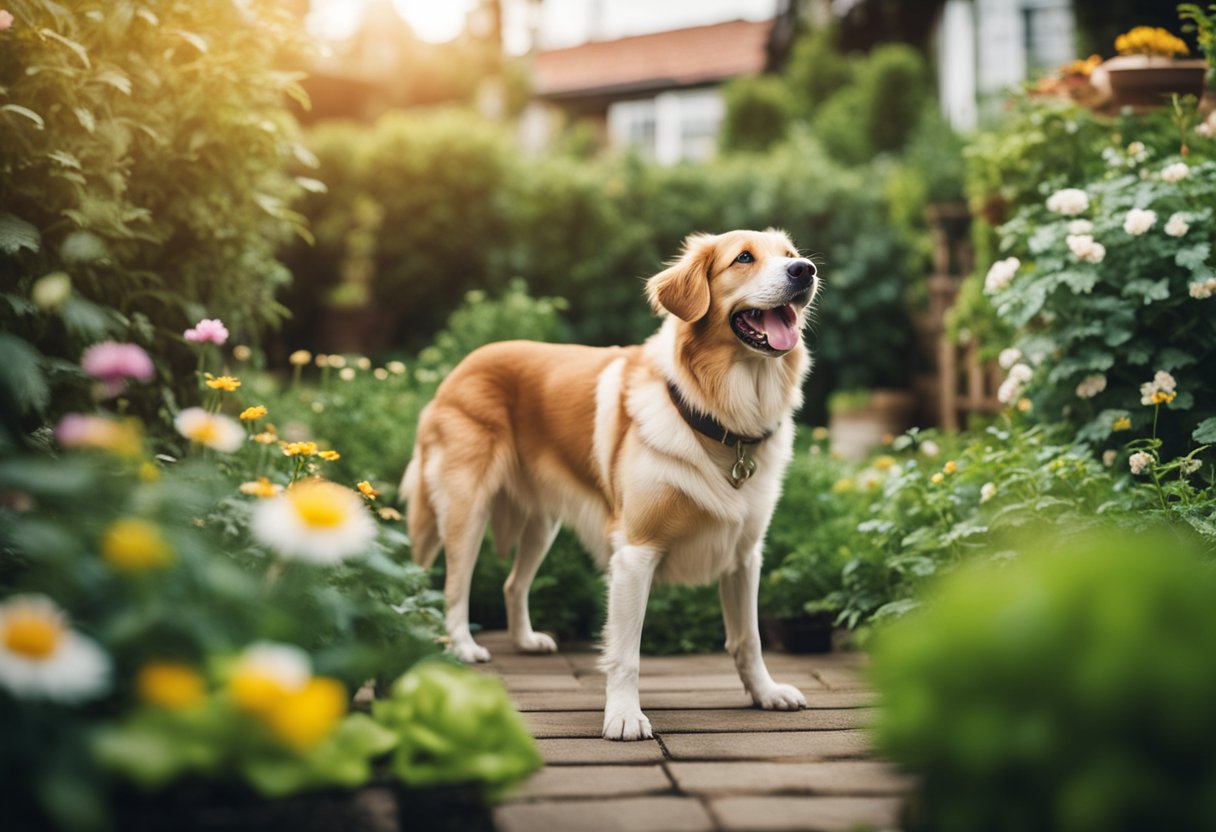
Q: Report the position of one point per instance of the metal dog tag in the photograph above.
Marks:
(743, 468)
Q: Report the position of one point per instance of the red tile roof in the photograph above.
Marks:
(678, 58)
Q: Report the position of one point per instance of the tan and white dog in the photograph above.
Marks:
(666, 458)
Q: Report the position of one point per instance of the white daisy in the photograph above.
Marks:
(315, 521)
(214, 430)
(41, 657)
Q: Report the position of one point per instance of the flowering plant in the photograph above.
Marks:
(1150, 40)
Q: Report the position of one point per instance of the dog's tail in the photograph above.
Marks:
(420, 516)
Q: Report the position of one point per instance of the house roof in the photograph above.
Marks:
(663, 60)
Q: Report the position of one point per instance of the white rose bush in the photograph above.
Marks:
(1112, 287)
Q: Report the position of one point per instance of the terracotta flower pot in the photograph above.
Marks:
(1141, 81)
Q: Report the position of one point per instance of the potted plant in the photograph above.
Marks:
(859, 420)
(1147, 69)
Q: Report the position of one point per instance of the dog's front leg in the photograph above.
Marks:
(629, 576)
(739, 591)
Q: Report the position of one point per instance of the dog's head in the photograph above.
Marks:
(749, 286)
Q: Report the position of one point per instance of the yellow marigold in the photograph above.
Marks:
(330, 456)
(1164, 397)
(1025, 405)
(1122, 423)
(305, 717)
(134, 545)
(843, 486)
(170, 685)
(950, 467)
(882, 463)
(299, 448)
(300, 357)
(365, 488)
(938, 478)
(261, 487)
(227, 383)
(267, 437)
(255, 412)
(1082, 67)
(1150, 40)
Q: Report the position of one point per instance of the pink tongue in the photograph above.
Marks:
(781, 335)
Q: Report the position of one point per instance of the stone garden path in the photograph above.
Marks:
(716, 763)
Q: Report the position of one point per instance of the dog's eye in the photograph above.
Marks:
(745, 257)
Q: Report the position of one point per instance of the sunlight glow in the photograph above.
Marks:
(435, 21)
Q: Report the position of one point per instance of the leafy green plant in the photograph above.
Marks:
(1065, 690)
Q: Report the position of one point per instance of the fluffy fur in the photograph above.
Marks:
(525, 436)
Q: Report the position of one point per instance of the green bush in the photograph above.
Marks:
(1067, 690)
(145, 155)
(757, 113)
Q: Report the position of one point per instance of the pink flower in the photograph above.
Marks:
(113, 363)
(6, 20)
(208, 329)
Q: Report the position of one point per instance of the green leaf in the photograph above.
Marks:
(1194, 257)
(1148, 290)
(21, 374)
(78, 48)
(1206, 431)
(27, 112)
(16, 234)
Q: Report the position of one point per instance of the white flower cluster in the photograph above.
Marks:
(1203, 289)
(1001, 275)
(1139, 462)
(1175, 172)
(1069, 202)
(1162, 382)
(1084, 248)
(987, 492)
(1139, 221)
(1008, 357)
(1080, 227)
(1207, 128)
(1189, 466)
(1091, 386)
(1177, 226)
(1011, 388)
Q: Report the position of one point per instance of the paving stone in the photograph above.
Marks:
(540, 682)
(594, 781)
(585, 751)
(754, 719)
(565, 723)
(588, 700)
(637, 814)
(808, 745)
(700, 681)
(861, 777)
(841, 678)
(816, 814)
(527, 664)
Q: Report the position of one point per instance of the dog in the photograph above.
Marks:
(666, 458)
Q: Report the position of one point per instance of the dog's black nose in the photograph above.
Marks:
(801, 272)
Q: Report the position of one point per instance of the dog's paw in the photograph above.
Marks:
(780, 698)
(626, 724)
(536, 643)
(470, 652)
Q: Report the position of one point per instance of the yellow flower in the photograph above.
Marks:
(265, 673)
(938, 478)
(299, 448)
(337, 361)
(261, 487)
(1150, 40)
(228, 383)
(395, 367)
(1163, 397)
(819, 434)
(255, 412)
(213, 430)
(365, 488)
(1025, 405)
(170, 685)
(267, 437)
(330, 456)
(303, 718)
(242, 353)
(389, 513)
(950, 467)
(882, 463)
(300, 357)
(41, 657)
(134, 545)
(148, 472)
(843, 486)
(1122, 423)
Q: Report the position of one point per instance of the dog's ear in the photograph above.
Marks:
(683, 287)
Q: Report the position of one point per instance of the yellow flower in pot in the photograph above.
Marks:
(1148, 68)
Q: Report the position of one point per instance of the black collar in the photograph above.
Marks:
(708, 425)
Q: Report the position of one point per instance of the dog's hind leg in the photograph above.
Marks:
(534, 542)
(464, 528)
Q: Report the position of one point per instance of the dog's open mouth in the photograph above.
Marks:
(767, 330)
